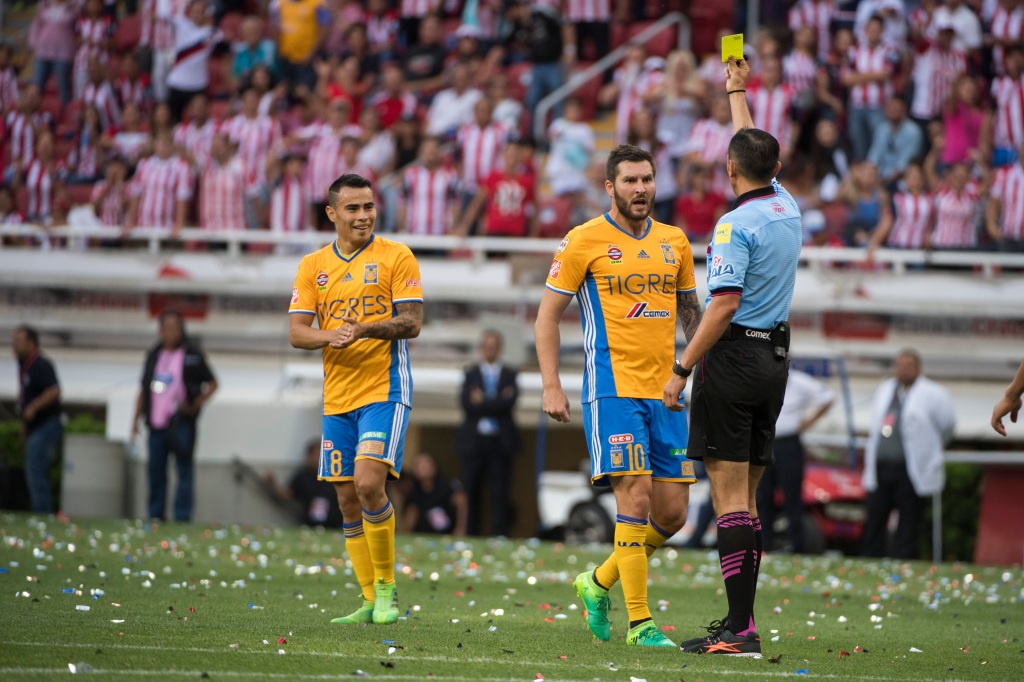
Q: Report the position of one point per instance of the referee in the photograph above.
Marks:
(738, 359)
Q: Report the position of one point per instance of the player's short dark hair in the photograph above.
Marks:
(755, 153)
(626, 153)
(30, 333)
(347, 180)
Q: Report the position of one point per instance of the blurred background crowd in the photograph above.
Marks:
(901, 121)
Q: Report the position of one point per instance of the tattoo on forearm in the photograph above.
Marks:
(689, 312)
(404, 325)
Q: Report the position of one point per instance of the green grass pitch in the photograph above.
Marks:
(126, 600)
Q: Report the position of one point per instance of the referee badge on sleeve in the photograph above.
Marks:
(723, 233)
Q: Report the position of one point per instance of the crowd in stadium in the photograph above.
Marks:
(900, 121)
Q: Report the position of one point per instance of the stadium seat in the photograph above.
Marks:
(62, 147)
(71, 119)
(51, 105)
(128, 33)
(555, 214)
(518, 80)
(587, 93)
(230, 25)
(620, 33)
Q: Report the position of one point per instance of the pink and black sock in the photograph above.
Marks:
(758, 553)
(736, 552)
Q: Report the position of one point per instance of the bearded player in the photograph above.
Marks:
(364, 293)
(632, 277)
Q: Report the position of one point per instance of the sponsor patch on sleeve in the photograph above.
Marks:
(412, 283)
(556, 267)
(723, 233)
(565, 243)
(295, 295)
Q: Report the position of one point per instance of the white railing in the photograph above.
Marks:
(577, 80)
(158, 240)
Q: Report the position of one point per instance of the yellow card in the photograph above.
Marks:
(732, 46)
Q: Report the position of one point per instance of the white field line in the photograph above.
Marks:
(688, 660)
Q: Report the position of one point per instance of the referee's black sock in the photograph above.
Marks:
(736, 551)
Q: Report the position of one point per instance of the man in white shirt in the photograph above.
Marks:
(968, 26)
(453, 107)
(807, 400)
(912, 420)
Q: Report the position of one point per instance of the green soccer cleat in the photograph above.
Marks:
(364, 614)
(385, 606)
(648, 634)
(595, 601)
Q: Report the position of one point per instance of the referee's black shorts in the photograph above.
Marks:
(738, 389)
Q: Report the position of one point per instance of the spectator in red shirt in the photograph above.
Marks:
(392, 101)
(508, 197)
(698, 207)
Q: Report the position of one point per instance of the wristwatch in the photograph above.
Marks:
(680, 370)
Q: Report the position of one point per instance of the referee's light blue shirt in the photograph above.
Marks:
(754, 253)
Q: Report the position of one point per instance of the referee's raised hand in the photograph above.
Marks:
(737, 71)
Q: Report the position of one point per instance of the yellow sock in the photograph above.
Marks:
(632, 562)
(608, 572)
(379, 527)
(359, 555)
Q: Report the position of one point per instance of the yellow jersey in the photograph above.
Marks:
(626, 287)
(366, 285)
(300, 28)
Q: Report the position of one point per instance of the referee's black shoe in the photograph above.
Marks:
(726, 643)
(713, 628)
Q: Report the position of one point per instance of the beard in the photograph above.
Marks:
(631, 210)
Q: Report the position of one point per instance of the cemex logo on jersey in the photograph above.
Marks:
(620, 438)
(614, 254)
(642, 254)
(640, 310)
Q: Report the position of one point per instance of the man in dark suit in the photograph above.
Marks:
(488, 439)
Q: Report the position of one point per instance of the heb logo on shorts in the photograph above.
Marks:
(620, 438)
(328, 445)
(640, 310)
(614, 254)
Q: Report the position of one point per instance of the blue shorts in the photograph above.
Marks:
(632, 437)
(374, 431)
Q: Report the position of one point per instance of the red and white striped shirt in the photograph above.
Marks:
(587, 10)
(1009, 189)
(1007, 26)
(934, 73)
(710, 140)
(133, 90)
(8, 89)
(865, 59)
(324, 164)
(410, 9)
(93, 35)
(912, 220)
(84, 157)
(22, 136)
(196, 140)
(1008, 96)
(956, 218)
(429, 197)
(799, 71)
(816, 14)
(772, 110)
(481, 152)
(39, 182)
(160, 184)
(111, 211)
(921, 21)
(222, 196)
(382, 31)
(103, 98)
(254, 137)
(289, 209)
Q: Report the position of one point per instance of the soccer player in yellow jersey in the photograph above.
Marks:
(632, 277)
(364, 293)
